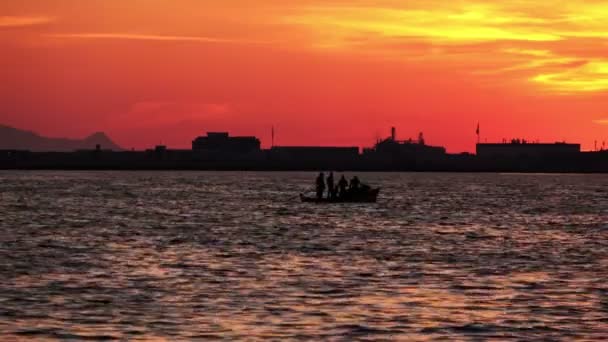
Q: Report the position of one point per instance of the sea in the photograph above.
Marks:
(182, 256)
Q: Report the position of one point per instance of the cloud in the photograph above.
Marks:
(166, 113)
(553, 46)
(20, 21)
(601, 121)
(587, 77)
(149, 37)
(459, 22)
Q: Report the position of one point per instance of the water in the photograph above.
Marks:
(186, 256)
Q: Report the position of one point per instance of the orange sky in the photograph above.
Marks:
(323, 72)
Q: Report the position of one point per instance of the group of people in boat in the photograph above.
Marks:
(342, 189)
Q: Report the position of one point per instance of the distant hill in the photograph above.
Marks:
(16, 139)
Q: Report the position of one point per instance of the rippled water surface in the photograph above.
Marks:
(183, 256)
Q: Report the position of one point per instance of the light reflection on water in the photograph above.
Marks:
(166, 256)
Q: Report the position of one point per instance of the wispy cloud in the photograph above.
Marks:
(549, 45)
(601, 121)
(150, 37)
(172, 112)
(588, 77)
(20, 21)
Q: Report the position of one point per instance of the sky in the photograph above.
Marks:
(321, 72)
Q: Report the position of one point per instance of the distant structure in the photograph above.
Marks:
(393, 148)
(518, 149)
(393, 154)
(222, 142)
(220, 151)
(304, 154)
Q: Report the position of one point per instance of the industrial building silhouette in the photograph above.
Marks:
(220, 151)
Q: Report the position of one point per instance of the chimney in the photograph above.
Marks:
(393, 133)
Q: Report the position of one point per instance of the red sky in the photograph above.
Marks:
(322, 72)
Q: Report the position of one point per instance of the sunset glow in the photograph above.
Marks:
(321, 72)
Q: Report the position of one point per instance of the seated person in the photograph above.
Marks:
(354, 183)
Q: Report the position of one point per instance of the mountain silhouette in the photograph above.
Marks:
(15, 139)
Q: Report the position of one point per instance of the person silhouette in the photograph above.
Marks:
(354, 184)
(330, 185)
(320, 185)
(342, 184)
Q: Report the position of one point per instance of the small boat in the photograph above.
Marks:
(369, 196)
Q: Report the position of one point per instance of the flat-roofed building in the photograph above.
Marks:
(223, 142)
(521, 149)
(315, 153)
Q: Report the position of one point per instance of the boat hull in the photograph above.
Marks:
(368, 197)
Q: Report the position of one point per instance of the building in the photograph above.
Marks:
(404, 155)
(312, 157)
(407, 148)
(391, 148)
(314, 153)
(222, 142)
(520, 149)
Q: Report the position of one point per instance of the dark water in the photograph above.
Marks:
(185, 256)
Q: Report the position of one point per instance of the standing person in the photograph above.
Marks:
(330, 185)
(342, 184)
(320, 185)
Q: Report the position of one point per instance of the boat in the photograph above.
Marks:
(369, 196)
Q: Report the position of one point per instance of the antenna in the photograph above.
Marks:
(272, 135)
